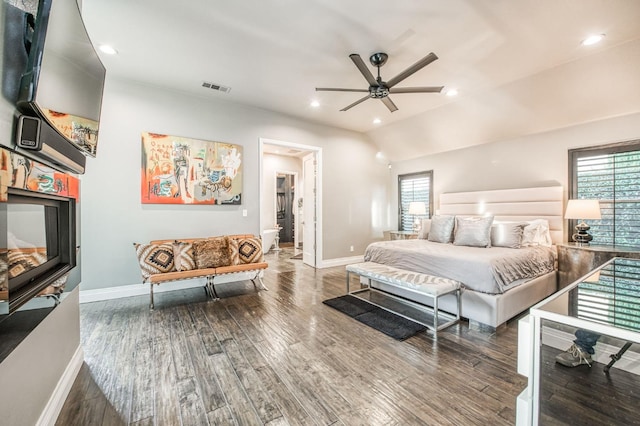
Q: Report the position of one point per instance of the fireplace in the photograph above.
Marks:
(38, 231)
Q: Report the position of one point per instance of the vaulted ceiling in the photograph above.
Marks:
(518, 65)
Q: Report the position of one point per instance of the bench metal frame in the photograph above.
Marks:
(433, 327)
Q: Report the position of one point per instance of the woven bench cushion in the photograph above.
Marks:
(427, 284)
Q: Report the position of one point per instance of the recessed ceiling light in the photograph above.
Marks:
(451, 92)
(592, 39)
(315, 103)
(377, 121)
(105, 48)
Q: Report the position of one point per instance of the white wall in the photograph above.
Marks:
(536, 160)
(113, 217)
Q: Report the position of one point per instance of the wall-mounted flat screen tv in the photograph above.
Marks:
(64, 78)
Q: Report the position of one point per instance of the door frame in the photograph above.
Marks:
(317, 151)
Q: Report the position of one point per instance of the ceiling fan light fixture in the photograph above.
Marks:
(593, 39)
(377, 121)
(314, 103)
(451, 92)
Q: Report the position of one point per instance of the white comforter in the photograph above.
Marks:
(487, 270)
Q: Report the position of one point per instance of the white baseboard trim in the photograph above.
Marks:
(142, 289)
(52, 410)
(562, 340)
(340, 261)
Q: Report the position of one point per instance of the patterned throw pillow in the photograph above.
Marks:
(183, 256)
(245, 250)
(211, 253)
(155, 258)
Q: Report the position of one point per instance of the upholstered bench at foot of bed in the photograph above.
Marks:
(427, 285)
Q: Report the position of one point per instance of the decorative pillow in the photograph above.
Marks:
(155, 258)
(245, 250)
(183, 256)
(536, 233)
(211, 253)
(473, 231)
(507, 234)
(424, 229)
(441, 229)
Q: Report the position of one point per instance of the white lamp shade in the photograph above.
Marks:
(583, 209)
(417, 207)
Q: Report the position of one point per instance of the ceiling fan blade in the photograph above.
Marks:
(363, 69)
(355, 103)
(334, 89)
(434, 89)
(413, 68)
(389, 103)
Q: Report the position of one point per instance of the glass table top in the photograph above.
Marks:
(609, 296)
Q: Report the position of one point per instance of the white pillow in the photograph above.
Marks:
(507, 234)
(536, 233)
(441, 229)
(473, 231)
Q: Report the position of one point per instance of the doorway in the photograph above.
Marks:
(290, 195)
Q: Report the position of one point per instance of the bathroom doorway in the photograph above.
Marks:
(288, 201)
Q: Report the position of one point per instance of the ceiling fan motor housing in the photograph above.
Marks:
(379, 92)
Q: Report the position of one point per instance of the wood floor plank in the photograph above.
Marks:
(143, 383)
(192, 411)
(239, 404)
(166, 398)
(209, 389)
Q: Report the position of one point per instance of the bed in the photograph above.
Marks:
(499, 282)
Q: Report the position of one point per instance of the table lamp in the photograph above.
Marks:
(417, 208)
(581, 210)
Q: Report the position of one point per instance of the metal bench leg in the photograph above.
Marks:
(259, 278)
(212, 287)
(348, 282)
(435, 316)
(151, 306)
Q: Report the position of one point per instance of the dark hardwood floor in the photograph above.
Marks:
(282, 357)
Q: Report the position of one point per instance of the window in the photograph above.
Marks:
(414, 187)
(610, 174)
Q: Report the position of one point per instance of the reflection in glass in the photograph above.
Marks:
(27, 238)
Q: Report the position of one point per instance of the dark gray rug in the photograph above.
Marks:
(384, 321)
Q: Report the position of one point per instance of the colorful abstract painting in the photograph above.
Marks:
(177, 170)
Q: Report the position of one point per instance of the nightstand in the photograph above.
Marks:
(575, 261)
(403, 235)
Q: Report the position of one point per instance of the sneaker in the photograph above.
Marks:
(573, 357)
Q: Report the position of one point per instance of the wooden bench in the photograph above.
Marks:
(423, 284)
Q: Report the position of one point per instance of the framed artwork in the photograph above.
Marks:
(177, 170)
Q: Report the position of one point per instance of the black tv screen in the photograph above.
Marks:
(64, 77)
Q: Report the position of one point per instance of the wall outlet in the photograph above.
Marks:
(351, 248)
(244, 213)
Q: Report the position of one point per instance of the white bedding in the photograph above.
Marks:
(487, 270)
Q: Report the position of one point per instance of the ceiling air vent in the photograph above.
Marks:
(217, 87)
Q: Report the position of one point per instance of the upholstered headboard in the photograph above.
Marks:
(511, 205)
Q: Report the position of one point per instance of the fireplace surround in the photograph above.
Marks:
(37, 231)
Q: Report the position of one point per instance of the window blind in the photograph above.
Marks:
(413, 187)
(611, 175)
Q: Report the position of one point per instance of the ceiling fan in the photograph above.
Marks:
(379, 89)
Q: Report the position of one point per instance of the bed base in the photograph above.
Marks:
(488, 310)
